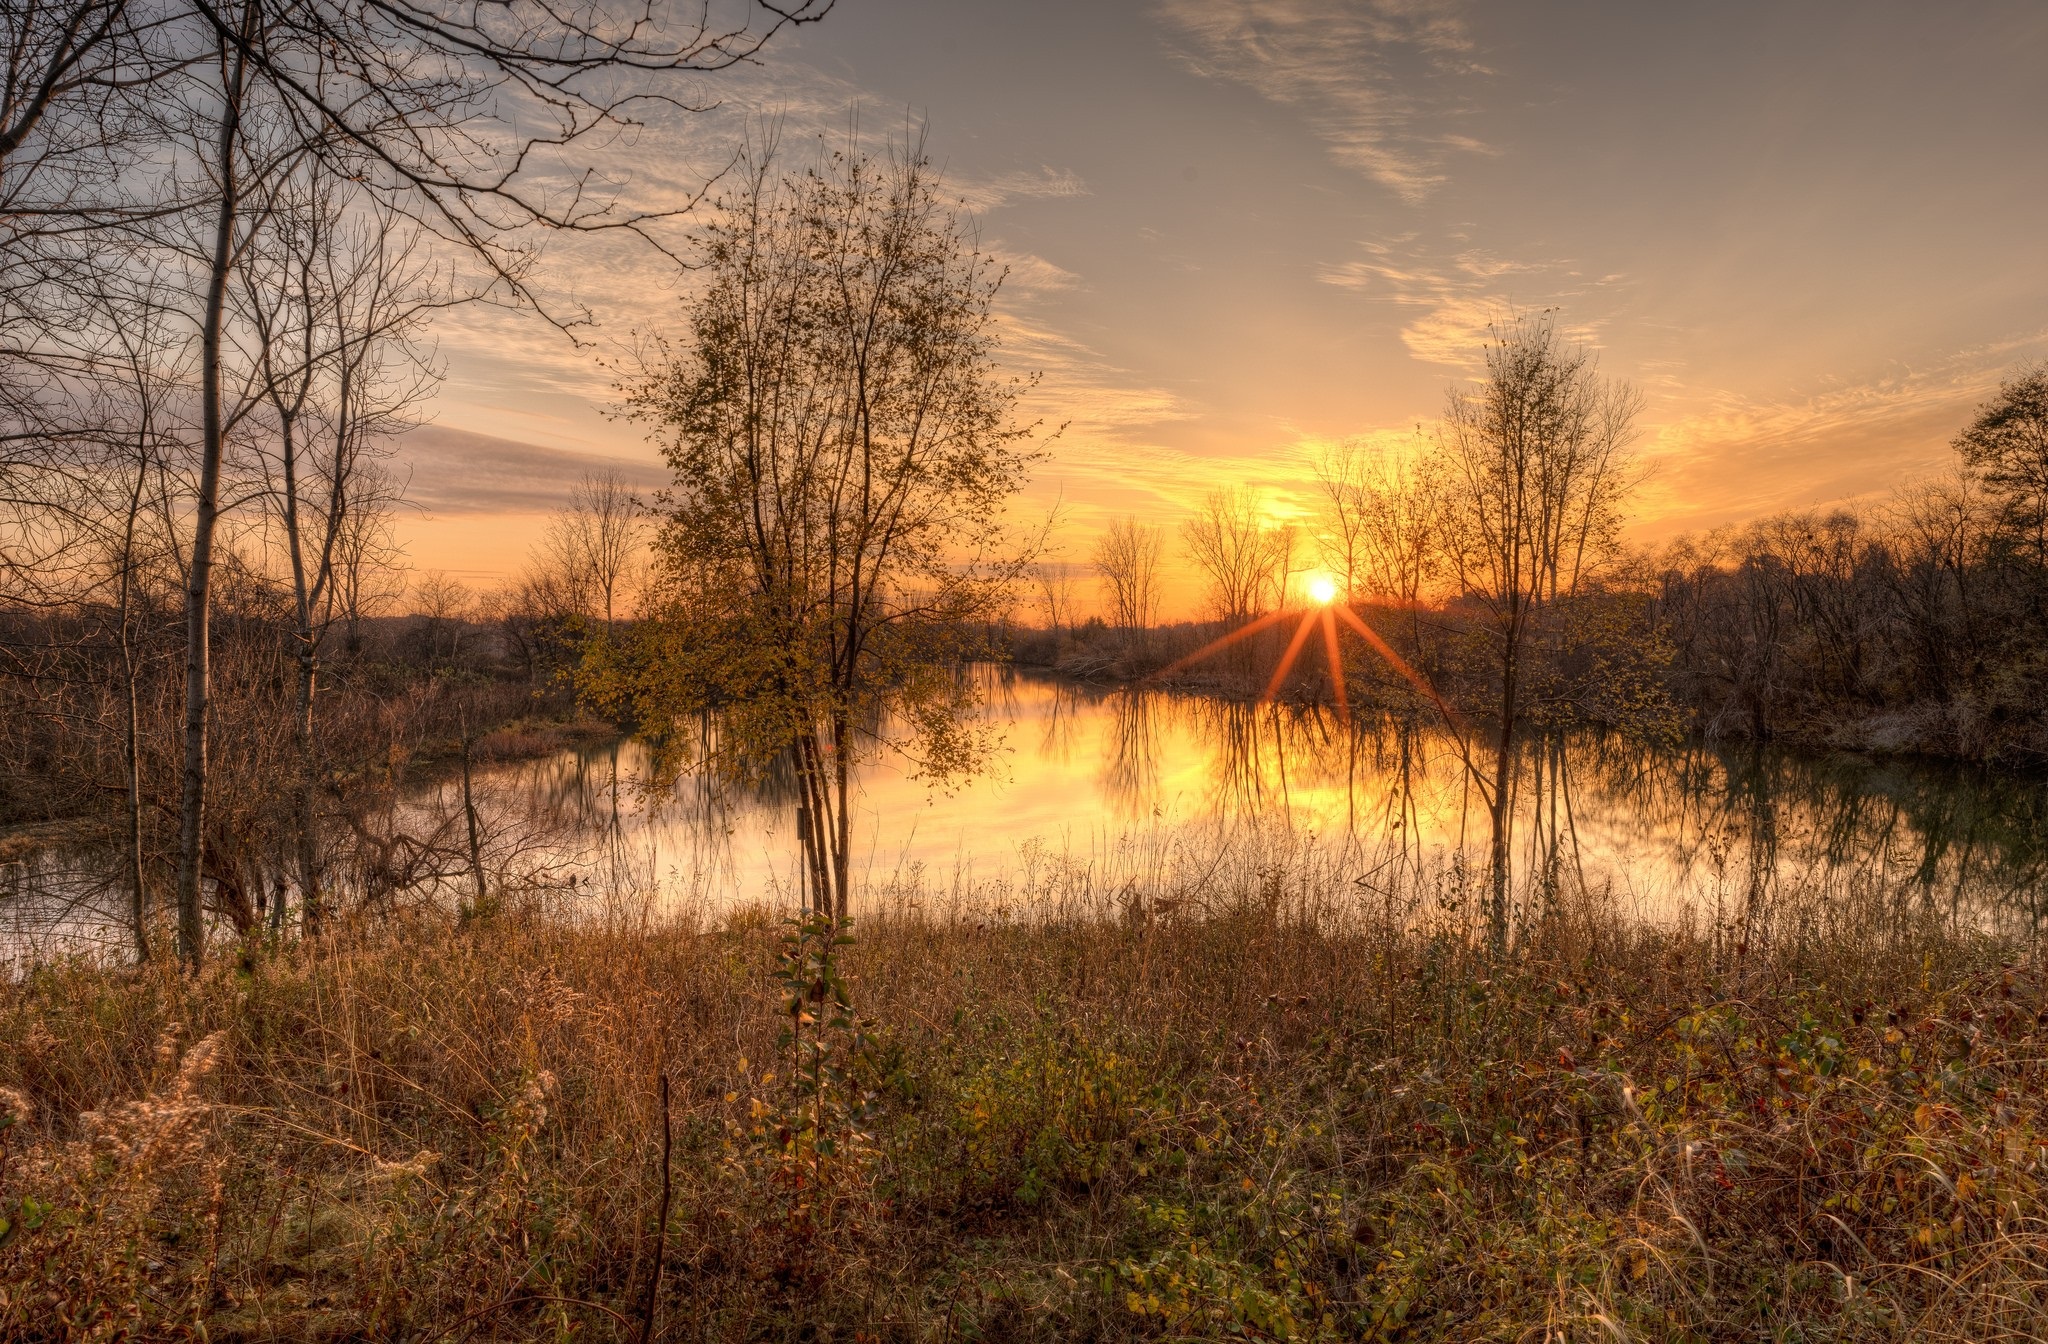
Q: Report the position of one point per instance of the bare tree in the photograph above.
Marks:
(1054, 582)
(1381, 523)
(367, 561)
(1127, 564)
(443, 606)
(77, 83)
(843, 451)
(143, 345)
(591, 545)
(1246, 558)
(1534, 468)
(462, 120)
(335, 308)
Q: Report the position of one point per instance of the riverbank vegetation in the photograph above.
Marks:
(89, 757)
(1252, 1093)
(1908, 624)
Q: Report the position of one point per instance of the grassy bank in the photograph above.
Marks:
(1278, 1113)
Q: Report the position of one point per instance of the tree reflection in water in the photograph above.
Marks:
(1717, 827)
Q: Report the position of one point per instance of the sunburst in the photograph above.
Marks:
(1325, 610)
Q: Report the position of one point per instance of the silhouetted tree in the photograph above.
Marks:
(1245, 557)
(844, 452)
(1534, 472)
(1127, 563)
(2007, 446)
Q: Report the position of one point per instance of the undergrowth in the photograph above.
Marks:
(1255, 1116)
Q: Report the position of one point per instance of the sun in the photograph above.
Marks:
(1329, 609)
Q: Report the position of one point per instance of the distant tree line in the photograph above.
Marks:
(1488, 553)
(1915, 624)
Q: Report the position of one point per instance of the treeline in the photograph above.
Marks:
(1488, 556)
(1910, 626)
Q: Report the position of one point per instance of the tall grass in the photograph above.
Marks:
(1235, 1090)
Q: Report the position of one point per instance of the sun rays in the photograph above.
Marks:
(1325, 611)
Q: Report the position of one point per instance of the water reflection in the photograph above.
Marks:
(1720, 828)
(1723, 825)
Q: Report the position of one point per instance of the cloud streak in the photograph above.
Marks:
(1380, 83)
(1736, 456)
(1459, 296)
(455, 471)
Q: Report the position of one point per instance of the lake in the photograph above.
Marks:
(1083, 770)
(1086, 774)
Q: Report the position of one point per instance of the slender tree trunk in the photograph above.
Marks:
(476, 851)
(310, 905)
(307, 640)
(841, 861)
(132, 734)
(199, 579)
(811, 821)
(1501, 810)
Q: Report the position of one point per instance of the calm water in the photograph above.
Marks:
(1085, 772)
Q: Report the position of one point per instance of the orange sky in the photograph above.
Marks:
(1241, 229)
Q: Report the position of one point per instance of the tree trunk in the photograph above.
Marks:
(307, 639)
(132, 735)
(1501, 809)
(812, 819)
(310, 906)
(842, 869)
(1499, 859)
(476, 851)
(199, 579)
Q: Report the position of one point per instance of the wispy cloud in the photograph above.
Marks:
(1380, 81)
(983, 194)
(1732, 455)
(1460, 295)
(1080, 389)
(455, 471)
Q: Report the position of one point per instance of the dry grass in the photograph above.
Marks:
(1281, 1105)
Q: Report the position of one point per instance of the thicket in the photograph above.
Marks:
(397, 694)
(1912, 626)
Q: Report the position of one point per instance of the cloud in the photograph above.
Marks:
(1026, 274)
(455, 471)
(1460, 295)
(1377, 81)
(1732, 456)
(1045, 182)
(1077, 387)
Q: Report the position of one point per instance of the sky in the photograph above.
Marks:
(1814, 234)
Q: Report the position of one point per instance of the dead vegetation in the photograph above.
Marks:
(1267, 1104)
